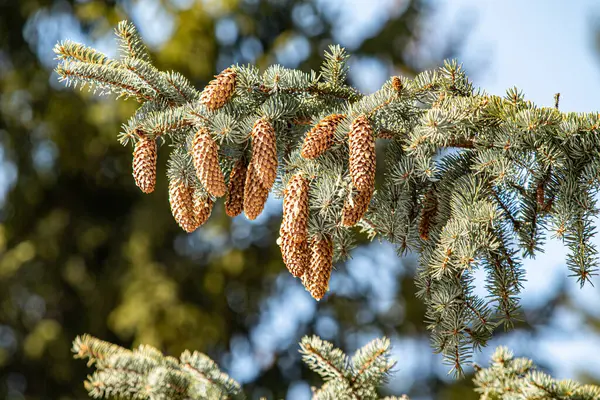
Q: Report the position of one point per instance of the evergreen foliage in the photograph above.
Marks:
(510, 378)
(145, 373)
(475, 180)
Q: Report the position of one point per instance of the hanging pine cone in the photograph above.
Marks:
(264, 152)
(294, 223)
(294, 254)
(219, 90)
(316, 278)
(203, 205)
(182, 204)
(144, 164)
(428, 213)
(205, 154)
(356, 207)
(255, 195)
(362, 154)
(234, 203)
(320, 137)
(540, 193)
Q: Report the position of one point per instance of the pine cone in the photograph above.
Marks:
(205, 153)
(354, 210)
(264, 152)
(316, 278)
(320, 137)
(144, 164)
(294, 254)
(182, 205)
(219, 90)
(540, 193)
(234, 204)
(397, 84)
(294, 224)
(428, 213)
(203, 205)
(255, 195)
(362, 154)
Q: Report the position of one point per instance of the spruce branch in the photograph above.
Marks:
(145, 373)
(130, 42)
(509, 377)
(473, 180)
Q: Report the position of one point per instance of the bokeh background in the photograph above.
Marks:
(83, 250)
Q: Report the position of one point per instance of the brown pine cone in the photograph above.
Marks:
(182, 205)
(255, 195)
(428, 213)
(354, 210)
(316, 278)
(203, 205)
(205, 154)
(264, 152)
(144, 164)
(294, 254)
(219, 90)
(320, 137)
(362, 154)
(294, 223)
(234, 203)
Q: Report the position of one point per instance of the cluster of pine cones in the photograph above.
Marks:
(251, 180)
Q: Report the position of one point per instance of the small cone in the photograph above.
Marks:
(219, 90)
(255, 195)
(234, 203)
(294, 223)
(362, 154)
(144, 164)
(182, 205)
(354, 210)
(205, 154)
(540, 193)
(203, 205)
(294, 254)
(264, 152)
(320, 138)
(397, 84)
(428, 213)
(316, 279)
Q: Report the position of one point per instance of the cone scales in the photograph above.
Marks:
(203, 205)
(356, 206)
(320, 138)
(264, 153)
(144, 164)
(295, 209)
(205, 154)
(362, 161)
(255, 195)
(182, 205)
(316, 279)
(294, 226)
(294, 254)
(219, 90)
(234, 203)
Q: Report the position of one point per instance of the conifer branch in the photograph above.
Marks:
(145, 373)
(504, 170)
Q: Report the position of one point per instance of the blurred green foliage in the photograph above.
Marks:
(82, 249)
